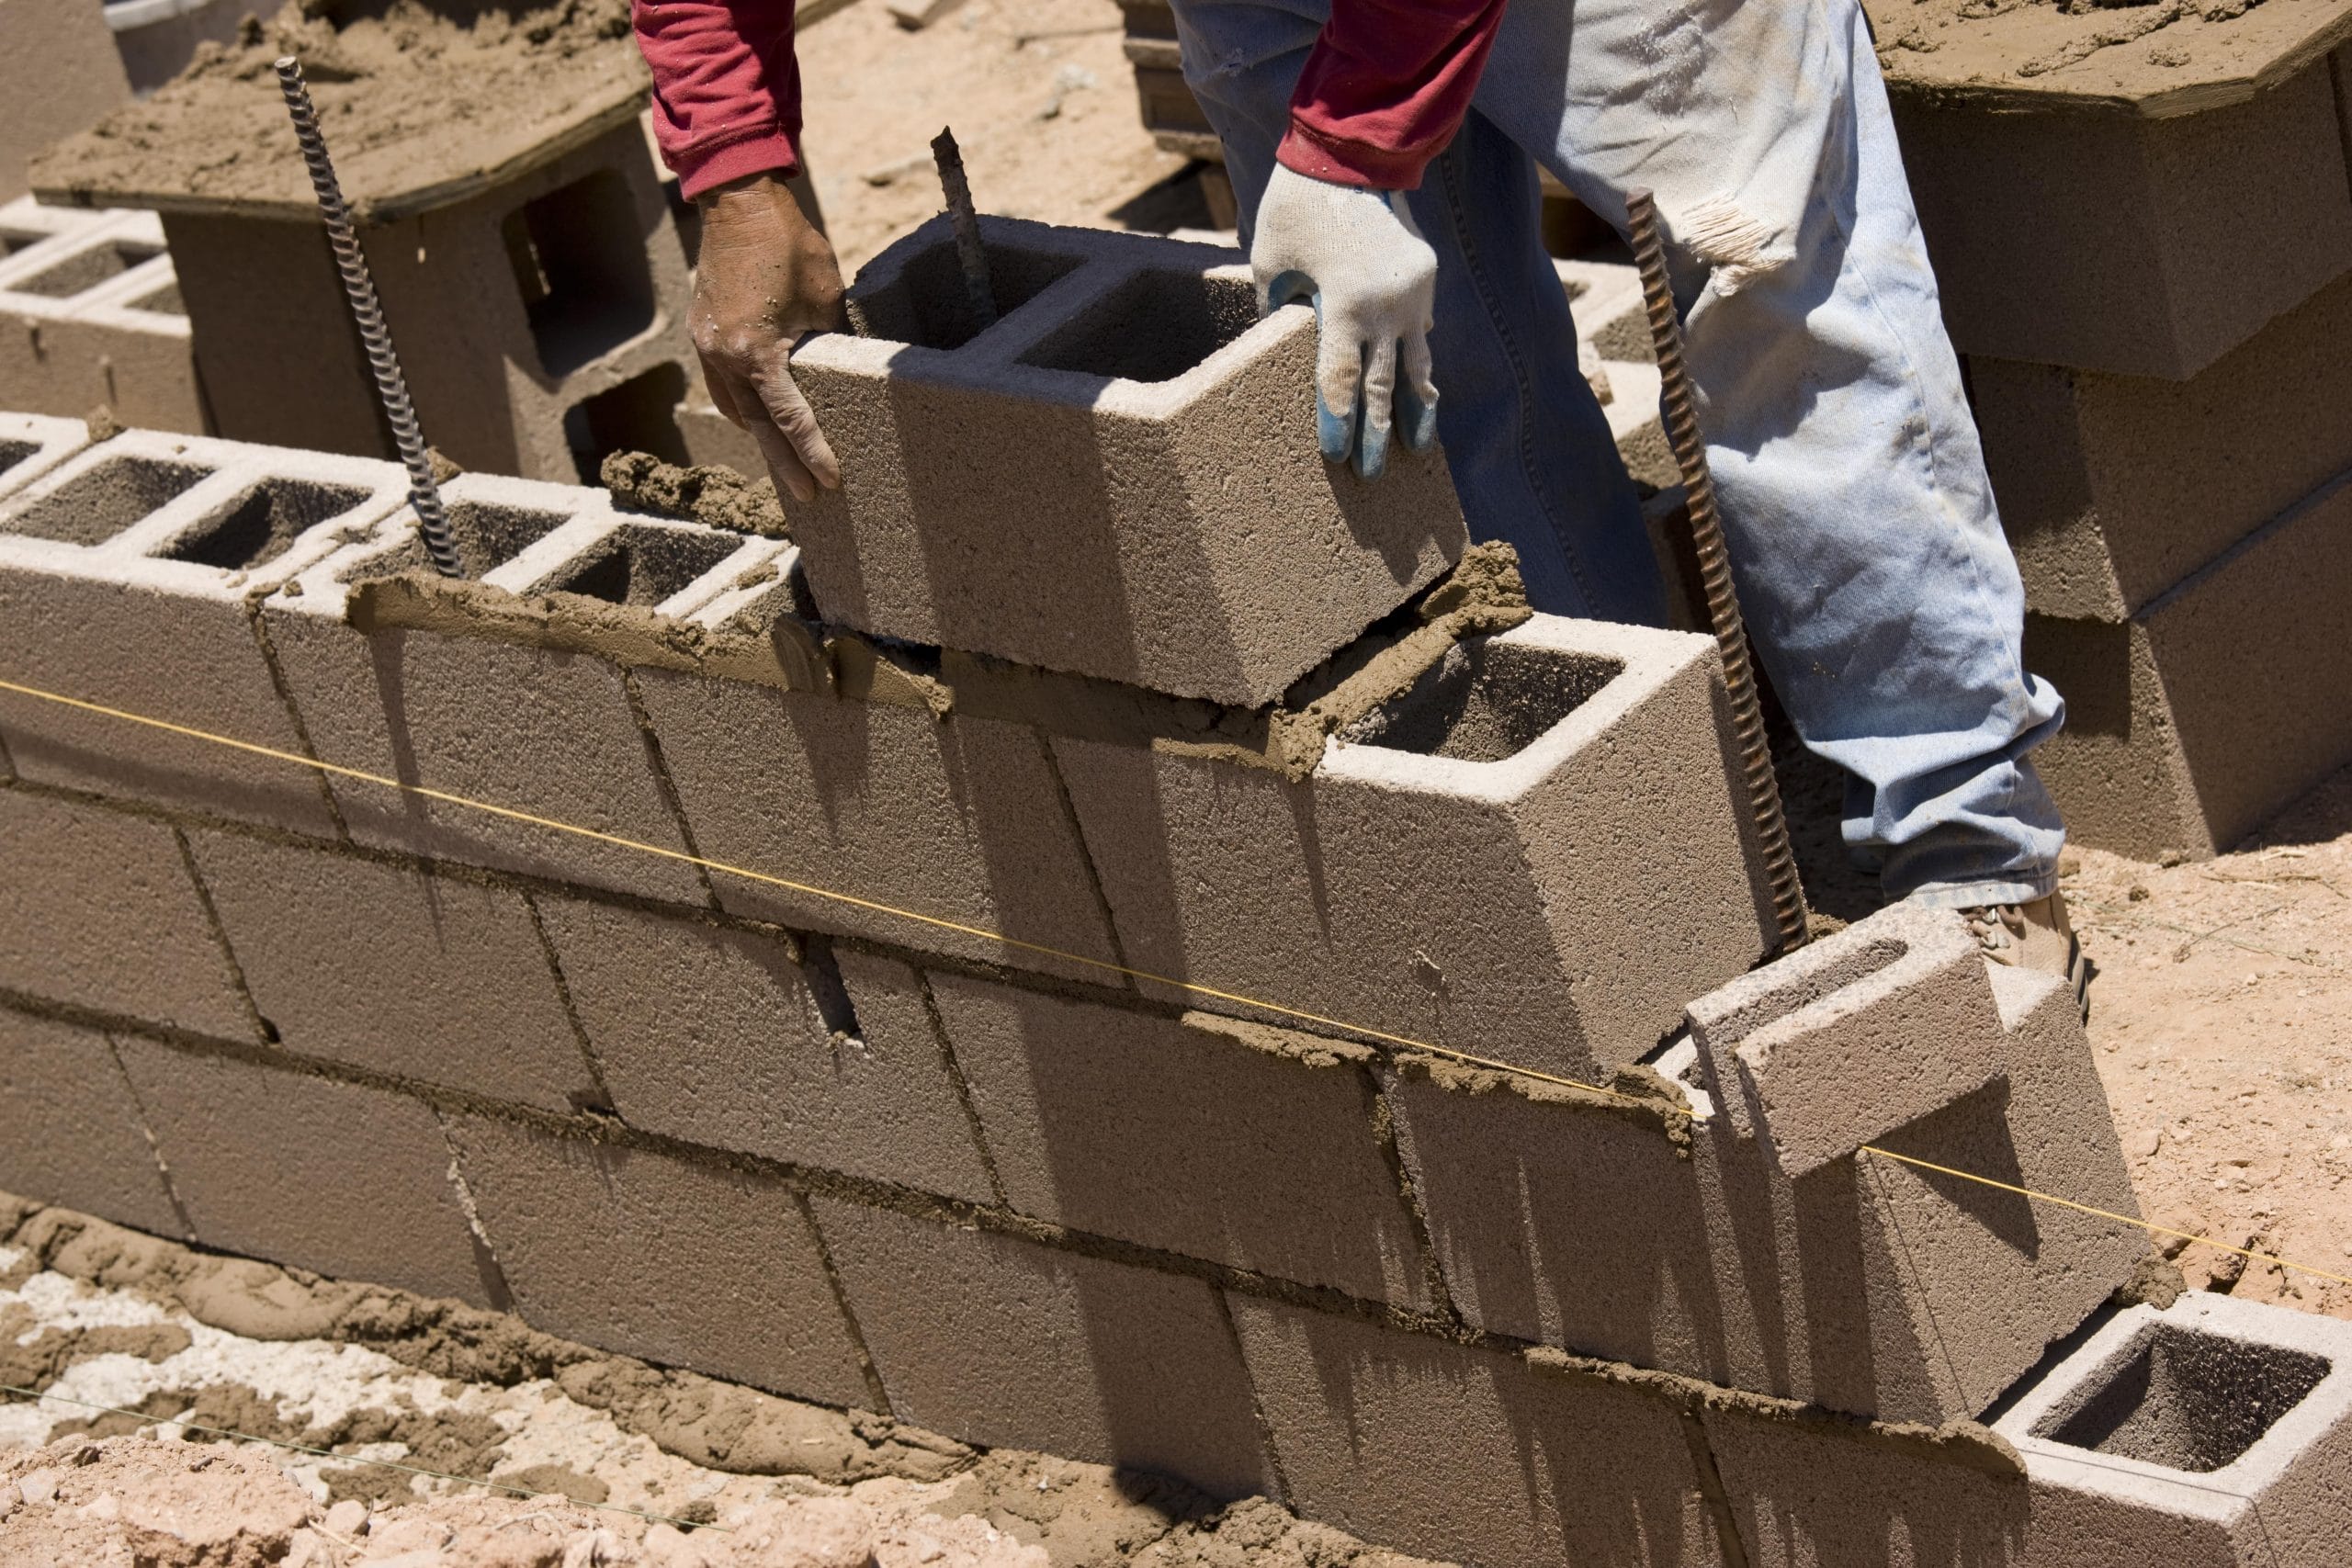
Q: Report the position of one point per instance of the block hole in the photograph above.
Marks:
(259, 526)
(164, 301)
(14, 239)
(1485, 701)
(487, 536)
(1153, 327)
(15, 452)
(578, 255)
(641, 566)
(926, 305)
(87, 269)
(95, 505)
(639, 415)
(2185, 1400)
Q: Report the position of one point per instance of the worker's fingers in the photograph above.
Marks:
(1417, 394)
(722, 396)
(1339, 382)
(781, 396)
(1379, 402)
(791, 475)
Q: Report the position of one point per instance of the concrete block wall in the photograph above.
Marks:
(90, 316)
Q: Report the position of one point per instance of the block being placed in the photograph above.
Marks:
(1118, 477)
(1537, 852)
(32, 444)
(90, 317)
(127, 576)
(79, 1140)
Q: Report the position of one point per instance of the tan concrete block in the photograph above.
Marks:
(1233, 1142)
(725, 1038)
(686, 1264)
(1175, 528)
(76, 1136)
(1007, 1343)
(1468, 1455)
(346, 1181)
(32, 444)
(1461, 866)
(59, 75)
(2115, 488)
(97, 910)
(90, 316)
(426, 977)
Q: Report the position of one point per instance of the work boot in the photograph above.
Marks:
(2033, 936)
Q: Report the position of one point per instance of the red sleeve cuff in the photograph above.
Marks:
(1348, 162)
(754, 153)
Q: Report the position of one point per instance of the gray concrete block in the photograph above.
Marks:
(126, 575)
(32, 444)
(724, 1038)
(1006, 1343)
(97, 910)
(1538, 853)
(2115, 488)
(1118, 479)
(346, 1181)
(1234, 1141)
(2222, 701)
(1847, 1039)
(78, 1138)
(684, 1265)
(1469, 1455)
(427, 977)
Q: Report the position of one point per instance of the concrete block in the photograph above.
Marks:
(97, 910)
(433, 978)
(684, 1265)
(126, 575)
(1174, 528)
(1007, 1343)
(2221, 702)
(343, 1181)
(728, 1038)
(1234, 1141)
(1851, 1037)
(1471, 1455)
(32, 444)
(2154, 243)
(59, 75)
(91, 316)
(78, 1137)
(1465, 864)
(2115, 488)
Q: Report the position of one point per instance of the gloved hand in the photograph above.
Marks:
(1373, 279)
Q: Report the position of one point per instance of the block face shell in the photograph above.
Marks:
(79, 1139)
(1006, 1343)
(396, 971)
(264, 1163)
(97, 910)
(1469, 1455)
(712, 1035)
(1242, 1144)
(683, 1264)
(31, 444)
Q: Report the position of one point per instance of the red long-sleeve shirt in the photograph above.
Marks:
(1383, 92)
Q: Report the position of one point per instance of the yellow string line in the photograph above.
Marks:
(2189, 1237)
(147, 1419)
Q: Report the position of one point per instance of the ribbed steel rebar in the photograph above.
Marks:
(1714, 571)
(424, 493)
(970, 250)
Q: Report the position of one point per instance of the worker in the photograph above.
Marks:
(1383, 157)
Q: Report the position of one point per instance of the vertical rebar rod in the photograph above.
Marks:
(1681, 417)
(391, 387)
(966, 223)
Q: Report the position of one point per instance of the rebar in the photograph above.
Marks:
(367, 311)
(970, 250)
(1681, 413)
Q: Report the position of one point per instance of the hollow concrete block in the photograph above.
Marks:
(1467, 1455)
(97, 910)
(79, 1139)
(1118, 479)
(2221, 702)
(127, 576)
(32, 444)
(738, 1040)
(1536, 853)
(90, 317)
(2115, 488)
(386, 968)
(1177, 1132)
(346, 1181)
(1003, 1342)
(686, 1264)
(60, 74)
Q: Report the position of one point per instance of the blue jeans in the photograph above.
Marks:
(1880, 595)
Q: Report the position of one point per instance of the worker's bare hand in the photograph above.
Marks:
(765, 277)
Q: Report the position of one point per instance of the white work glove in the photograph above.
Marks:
(1357, 255)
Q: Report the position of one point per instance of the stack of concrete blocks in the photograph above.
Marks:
(1120, 1111)
(90, 317)
(2150, 281)
(59, 75)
